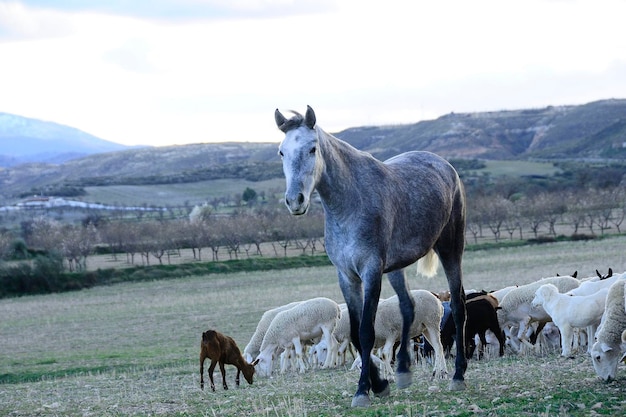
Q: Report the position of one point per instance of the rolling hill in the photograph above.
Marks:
(593, 131)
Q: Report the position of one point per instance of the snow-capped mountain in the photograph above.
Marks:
(23, 139)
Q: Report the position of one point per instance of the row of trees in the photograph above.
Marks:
(593, 212)
(242, 233)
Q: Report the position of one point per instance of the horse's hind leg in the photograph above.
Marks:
(407, 310)
(451, 261)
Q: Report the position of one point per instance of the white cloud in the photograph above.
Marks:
(216, 70)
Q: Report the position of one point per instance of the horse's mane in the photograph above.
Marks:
(294, 122)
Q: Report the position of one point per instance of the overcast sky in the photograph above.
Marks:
(162, 72)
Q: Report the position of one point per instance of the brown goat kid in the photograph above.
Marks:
(222, 349)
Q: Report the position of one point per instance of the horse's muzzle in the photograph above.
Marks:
(298, 205)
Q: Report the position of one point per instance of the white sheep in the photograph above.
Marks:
(342, 336)
(309, 319)
(589, 287)
(499, 294)
(516, 310)
(570, 312)
(253, 348)
(610, 345)
(427, 319)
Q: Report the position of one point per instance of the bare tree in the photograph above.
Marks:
(513, 220)
(307, 230)
(113, 234)
(535, 213)
(45, 234)
(619, 214)
(231, 233)
(77, 244)
(496, 213)
(477, 215)
(554, 206)
(575, 213)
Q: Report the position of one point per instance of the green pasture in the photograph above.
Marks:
(192, 193)
(519, 168)
(203, 191)
(132, 348)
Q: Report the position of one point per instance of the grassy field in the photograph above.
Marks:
(519, 168)
(132, 349)
(177, 194)
(202, 191)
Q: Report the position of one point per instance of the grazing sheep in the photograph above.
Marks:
(570, 312)
(309, 319)
(222, 349)
(253, 348)
(609, 347)
(342, 335)
(589, 287)
(427, 320)
(499, 294)
(517, 311)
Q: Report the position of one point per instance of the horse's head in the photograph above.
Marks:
(299, 152)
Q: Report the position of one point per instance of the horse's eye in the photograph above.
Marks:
(312, 150)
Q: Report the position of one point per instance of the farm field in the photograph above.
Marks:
(132, 349)
(519, 168)
(176, 194)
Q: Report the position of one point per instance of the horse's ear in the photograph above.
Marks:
(280, 119)
(309, 117)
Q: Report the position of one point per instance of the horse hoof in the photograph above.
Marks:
(404, 379)
(361, 401)
(456, 385)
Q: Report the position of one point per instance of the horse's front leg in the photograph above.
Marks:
(371, 378)
(362, 310)
(397, 280)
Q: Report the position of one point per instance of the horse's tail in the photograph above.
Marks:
(428, 264)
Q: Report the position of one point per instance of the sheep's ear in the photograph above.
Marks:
(610, 273)
(605, 348)
(575, 274)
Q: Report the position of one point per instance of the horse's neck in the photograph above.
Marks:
(342, 174)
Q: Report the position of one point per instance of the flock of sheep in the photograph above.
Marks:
(563, 311)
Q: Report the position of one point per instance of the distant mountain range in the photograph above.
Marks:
(23, 139)
(593, 131)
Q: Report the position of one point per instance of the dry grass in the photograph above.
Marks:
(132, 349)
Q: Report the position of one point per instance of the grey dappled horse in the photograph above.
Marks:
(379, 218)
